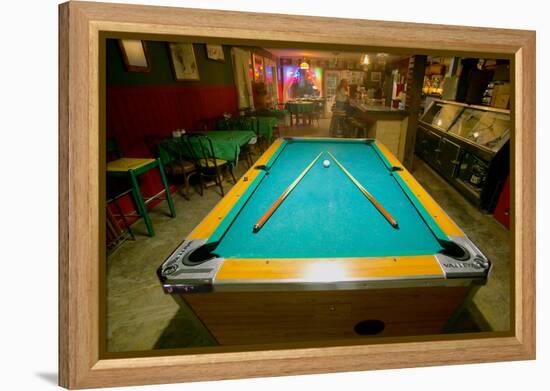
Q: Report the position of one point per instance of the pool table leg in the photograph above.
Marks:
(453, 320)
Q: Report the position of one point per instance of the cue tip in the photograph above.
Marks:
(256, 228)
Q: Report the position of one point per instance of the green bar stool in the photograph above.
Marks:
(132, 168)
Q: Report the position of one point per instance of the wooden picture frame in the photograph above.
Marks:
(183, 61)
(82, 360)
(135, 60)
(215, 52)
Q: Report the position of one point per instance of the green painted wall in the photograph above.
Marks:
(211, 72)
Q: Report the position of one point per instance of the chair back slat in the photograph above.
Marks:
(200, 148)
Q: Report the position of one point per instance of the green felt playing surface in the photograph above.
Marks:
(326, 215)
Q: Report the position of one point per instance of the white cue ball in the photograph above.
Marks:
(326, 163)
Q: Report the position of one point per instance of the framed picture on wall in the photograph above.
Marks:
(375, 76)
(183, 61)
(215, 52)
(135, 55)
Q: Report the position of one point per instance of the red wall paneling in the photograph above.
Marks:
(135, 113)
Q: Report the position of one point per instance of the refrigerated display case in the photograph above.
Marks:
(469, 146)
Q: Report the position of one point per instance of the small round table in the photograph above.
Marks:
(303, 109)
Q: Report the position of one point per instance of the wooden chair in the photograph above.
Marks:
(172, 153)
(246, 153)
(240, 123)
(130, 169)
(261, 130)
(200, 148)
(250, 123)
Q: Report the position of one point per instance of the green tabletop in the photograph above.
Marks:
(300, 107)
(237, 123)
(226, 144)
(262, 123)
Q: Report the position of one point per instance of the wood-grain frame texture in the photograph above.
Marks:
(80, 250)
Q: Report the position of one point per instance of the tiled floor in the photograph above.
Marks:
(141, 317)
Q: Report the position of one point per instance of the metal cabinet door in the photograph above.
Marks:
(432, 147)
(426, 144)
(447, 157)
(421, 142)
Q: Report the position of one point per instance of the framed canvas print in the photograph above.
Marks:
(134, 53)
(183, 61)
(215, 52)
(208, 234)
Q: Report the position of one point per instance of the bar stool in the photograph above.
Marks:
(338, 123)
(357, 128)
(132, 168)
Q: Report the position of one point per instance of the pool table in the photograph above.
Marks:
(326, 264)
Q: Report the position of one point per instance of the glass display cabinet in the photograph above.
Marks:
(487, 129)
(441, 115)
(469, 146)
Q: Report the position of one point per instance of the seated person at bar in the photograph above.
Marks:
(342, 97)
(338, 126)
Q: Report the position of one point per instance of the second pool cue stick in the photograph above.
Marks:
(376, 204)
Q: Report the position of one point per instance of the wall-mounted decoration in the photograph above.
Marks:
(259, 70)
(135, 55)
(183, 61)
(215, 52)
(375, 76)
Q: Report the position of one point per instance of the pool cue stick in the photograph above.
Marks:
(380, 208)
(260, 223)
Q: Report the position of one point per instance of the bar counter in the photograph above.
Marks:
(383, 123)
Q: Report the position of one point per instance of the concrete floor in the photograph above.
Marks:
(141, 317)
